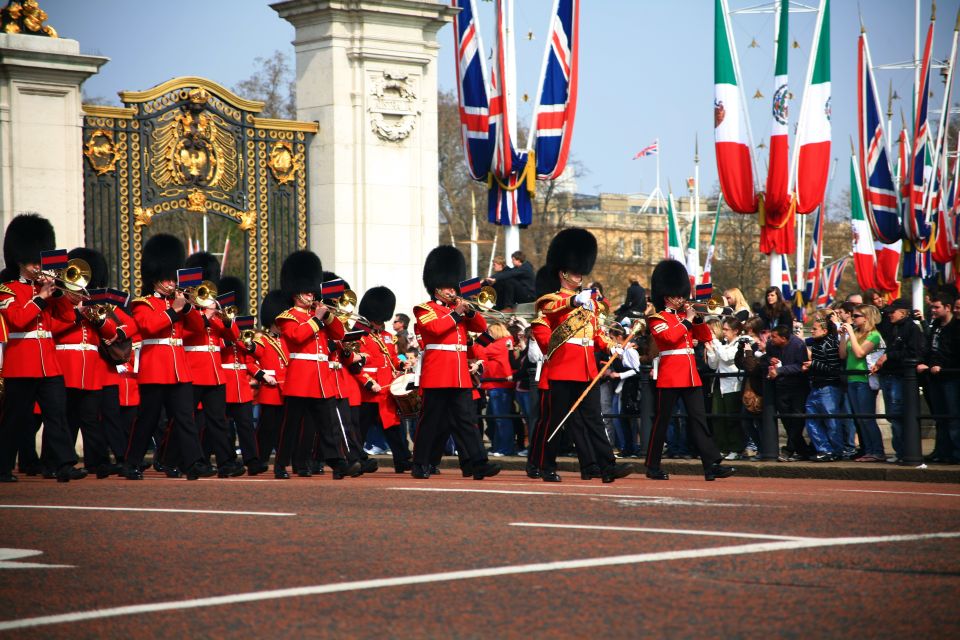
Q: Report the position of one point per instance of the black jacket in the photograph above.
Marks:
(943, 346)
(523, 281)
(904, 342)
(635, 303)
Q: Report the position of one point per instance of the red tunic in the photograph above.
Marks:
(162, 358)
(237, 366)
(347, 383)
(271, 360)
(496, 363)
(202, 338)
(78, 353)
(30, 351)
(381, 365)
(305, 340)
(443, 334)
(575, 359)
(674, 340)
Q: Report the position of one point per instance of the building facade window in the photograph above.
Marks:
(620, 247)
(638, 248)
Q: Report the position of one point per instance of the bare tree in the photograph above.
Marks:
(739, 263)
(273, 84)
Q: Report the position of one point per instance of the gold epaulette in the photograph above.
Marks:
(430, 313)
(657, 316)
(286, 315)
(143, 299)
(6, 291)
(540, 320)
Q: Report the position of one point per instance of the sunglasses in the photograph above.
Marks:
(856, 315)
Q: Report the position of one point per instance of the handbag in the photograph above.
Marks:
(752, 402)
(872, 379)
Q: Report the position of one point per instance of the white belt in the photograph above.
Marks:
(677, 352)
(170, 342)
(76, 347)
(445, 347)
(212, 348)
(237, 366)
(370, 369)
(583, 342)
(316, 357)
(30, 334)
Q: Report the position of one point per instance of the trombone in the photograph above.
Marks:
(711, 307)
(344, 308)
(484, 304)
(72, 279)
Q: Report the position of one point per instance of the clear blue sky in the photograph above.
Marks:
(646, 66)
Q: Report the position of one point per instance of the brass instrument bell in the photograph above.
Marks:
(204, 295)
(710, 307)
(72, 279)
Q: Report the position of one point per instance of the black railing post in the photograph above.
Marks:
(769, 436)
(912, 451)
(646, 407)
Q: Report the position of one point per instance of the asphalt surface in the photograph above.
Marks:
(385, 555)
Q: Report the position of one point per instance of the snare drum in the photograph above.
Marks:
(405, 395)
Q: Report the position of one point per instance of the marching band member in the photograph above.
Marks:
(272, 362)
(238, 366)
(30, 303)
(309, 389)
(79, 358)
(120, 398)
(381, 366)
(674, 328)
(541, 459)
(164, 376)
(576, 334)
(443, 323)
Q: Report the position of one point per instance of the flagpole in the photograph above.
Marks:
(916, 283)
(511, 235)
(473, 236)
(659, 193)
(696, 195)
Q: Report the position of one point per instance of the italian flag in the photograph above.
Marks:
(673, 249)
(733, 147)
(813, 132)
(864, 255)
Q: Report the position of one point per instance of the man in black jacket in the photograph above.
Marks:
(786, 354)
(942, 387)
(904, 345)
(513, 285)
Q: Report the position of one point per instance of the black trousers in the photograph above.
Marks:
(116, 420)
(183, 438)
(213, 432)
(446, 412)
(697, 432)
(794, 400)
(27, 458)
(268, 430)
(395, 436)
(585, 424)
(51, 395)
(83, 416)
(303, 419)
(543, 454)
(241, 413)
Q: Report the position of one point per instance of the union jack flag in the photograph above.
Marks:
(831, 282)
(816, 257)
(477, 129)
(649, 150)
(915, 222)
(786, 283)
(881, 202)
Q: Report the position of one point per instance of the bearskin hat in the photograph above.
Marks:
(573, 250)
(99, 272)
(301, 271)
(209, 263)
(234, 284)
(378, 304)
(547, 281)
(445, 266)
(274, 303)
(669, 279)
(330, 275)
(163, 254)
(26, 236)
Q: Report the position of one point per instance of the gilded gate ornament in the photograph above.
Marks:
(101, 152)
(283, 163)
(26, 18)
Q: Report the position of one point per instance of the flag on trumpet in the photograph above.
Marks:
(108, 296)
(704, 290)
(189, 277)
(471, 287)
(54, 259)
(245, 323)
(228, 299)
(332, 288)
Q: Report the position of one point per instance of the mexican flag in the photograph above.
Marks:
(776, 198)
(708, 263)
(864, 256)
(733, 146)
(813, 131)
(693, 250)
(673, 249)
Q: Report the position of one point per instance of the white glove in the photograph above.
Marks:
(585, 300)
(631, 359)
(616, 351)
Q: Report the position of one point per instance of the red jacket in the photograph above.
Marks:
(237, 365)
(78, 351)
(162, 358)
(380, 364)
(574, 360)
(496, 363)
(347, 385)
(30, 350)
(202, 339)
(443, 334)
(305, 340)
(271, 359)
(674, 337)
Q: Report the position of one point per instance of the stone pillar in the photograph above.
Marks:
(367, 72)
(41, 155)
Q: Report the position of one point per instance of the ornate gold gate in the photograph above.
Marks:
(190, 148)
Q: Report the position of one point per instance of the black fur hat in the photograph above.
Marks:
(378, 304)
(163, 254)
(274, 303)
(301, 271)
(210, 264)
(445, 266)
(234, 284)
(548, 281)
(573, 250)
(25, 237)
(669, 279)
(99, 272)
(330, 275)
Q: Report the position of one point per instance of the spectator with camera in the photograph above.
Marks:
(824, 371)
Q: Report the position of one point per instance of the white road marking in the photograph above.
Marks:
(683, 532)
(6, 555)
(625, 498)
(902, 493)
(201, 511)
(468, 574)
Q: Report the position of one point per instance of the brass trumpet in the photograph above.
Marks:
(230, 312)
(483, 303)
(72, 279)
(204, 295)
(710, 307)
(345, 307)
(247, 336)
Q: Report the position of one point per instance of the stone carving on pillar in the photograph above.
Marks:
(394, 110)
